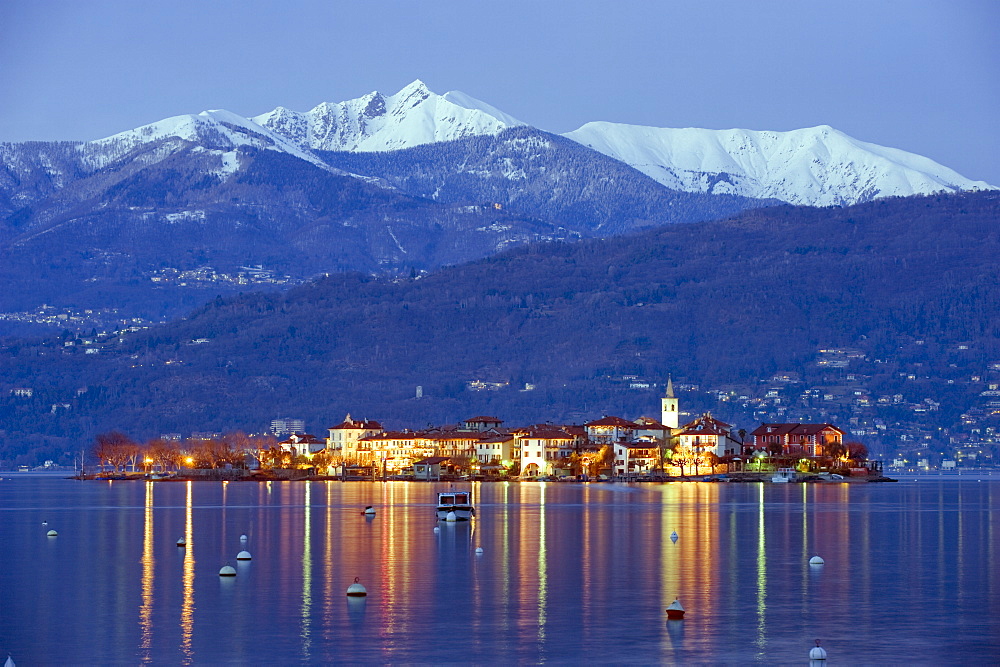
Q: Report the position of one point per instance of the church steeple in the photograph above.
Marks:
(669, 412)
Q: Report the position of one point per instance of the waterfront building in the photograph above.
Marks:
(609, 430)
(343, 439)
(481, 424)
(542, 447)
(302, 444)
(636, 458)
(798, 439)
(497, 452)
(708, 435)
(394, 451)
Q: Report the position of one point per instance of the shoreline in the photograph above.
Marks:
(228, 476)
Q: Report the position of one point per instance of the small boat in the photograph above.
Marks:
(455, 506)
(783, 475)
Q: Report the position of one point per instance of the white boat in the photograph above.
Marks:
(783, 475)
(455, 506)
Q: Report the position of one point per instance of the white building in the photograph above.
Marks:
(541, 447)
(343, 438)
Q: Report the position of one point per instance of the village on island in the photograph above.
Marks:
(482, 448)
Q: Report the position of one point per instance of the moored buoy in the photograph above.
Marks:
(479, 551)
(356, 590)
(243, 555)
(437, 529)
(52, 533)
(243, 538)
(817, 652)
(816, 560)
(451, 517)
(675, 611)
(45, 523)
(181, 542)
(369, 511)
(674, 536)
(227, 571)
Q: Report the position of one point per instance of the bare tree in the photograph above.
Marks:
(116, 449)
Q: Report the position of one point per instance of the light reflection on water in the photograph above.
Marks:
(569, 573)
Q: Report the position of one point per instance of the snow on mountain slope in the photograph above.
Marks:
(816, 166)
(375, 122)
(217, 129)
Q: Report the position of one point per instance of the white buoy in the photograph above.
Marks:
(816, 560)
(674, 536)
(369, 511)
(675, 612)
(817, 652)
(451, 517)
(181, 542)
(479, 551)
(52, 533)
(243, 538)
(243, 555)
(227, 571)
(356, 590)
(437, 529)
(44, 523)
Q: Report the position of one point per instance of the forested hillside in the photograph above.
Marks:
(713, 303)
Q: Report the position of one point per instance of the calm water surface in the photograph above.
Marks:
(569, 573)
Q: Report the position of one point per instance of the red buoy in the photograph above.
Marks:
(675, 612)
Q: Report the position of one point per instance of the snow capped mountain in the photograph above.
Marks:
(217, 130)
(375, 122)
(816, 166)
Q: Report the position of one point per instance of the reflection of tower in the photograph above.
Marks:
(668, 406)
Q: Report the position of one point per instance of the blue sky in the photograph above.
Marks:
(916, 75)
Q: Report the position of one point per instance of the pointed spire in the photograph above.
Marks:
(670, 387)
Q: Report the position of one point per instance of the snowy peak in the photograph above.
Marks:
(816, 166)
(216, 130)
(375, 122)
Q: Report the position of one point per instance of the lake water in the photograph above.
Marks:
(569, 574)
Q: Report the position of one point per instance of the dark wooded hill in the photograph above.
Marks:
(713, 303)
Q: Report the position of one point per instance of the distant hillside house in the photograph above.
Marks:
(803, 439)
(287, 426)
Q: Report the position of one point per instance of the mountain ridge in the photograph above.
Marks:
(816, 166)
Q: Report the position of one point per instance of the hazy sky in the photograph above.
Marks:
(921, 76)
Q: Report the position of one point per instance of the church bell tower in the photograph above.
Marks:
(669, 413)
